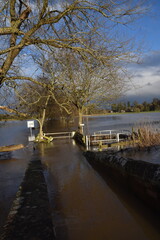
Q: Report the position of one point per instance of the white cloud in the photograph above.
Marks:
(146, 78)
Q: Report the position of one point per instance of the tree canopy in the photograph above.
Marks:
(79, 83)
(28, 25)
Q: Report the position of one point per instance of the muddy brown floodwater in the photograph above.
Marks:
(84, 206)
(12, 165)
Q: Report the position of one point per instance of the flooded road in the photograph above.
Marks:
(85, 204)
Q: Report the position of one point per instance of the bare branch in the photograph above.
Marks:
(46, 24)
(10, 30)
(44, 8)
(5, 108)
(25, 78)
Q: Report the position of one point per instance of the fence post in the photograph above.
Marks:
(87, 142)
(117, 137)
(72, 134)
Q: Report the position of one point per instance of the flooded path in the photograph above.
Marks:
(84, 205)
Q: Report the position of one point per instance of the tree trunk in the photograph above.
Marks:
(80, 120)
(41, 121)
(11, 148)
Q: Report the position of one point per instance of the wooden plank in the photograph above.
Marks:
(11, 148)
(60, 135)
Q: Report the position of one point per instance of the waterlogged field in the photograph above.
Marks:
(121, 121)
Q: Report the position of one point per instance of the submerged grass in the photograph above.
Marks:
(146, 136)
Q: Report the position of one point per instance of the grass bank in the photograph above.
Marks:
(117, 113)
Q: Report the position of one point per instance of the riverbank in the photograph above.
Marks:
(85, 115)
(117, 113)
(30, 215)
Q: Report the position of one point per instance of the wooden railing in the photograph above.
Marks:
(60, 135)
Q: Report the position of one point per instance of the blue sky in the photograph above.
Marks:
(146, 75)
(148, 26)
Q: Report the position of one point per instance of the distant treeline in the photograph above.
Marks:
(136, 107)
(9, 117)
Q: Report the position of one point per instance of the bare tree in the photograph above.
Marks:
(37, 101)
(28, 101)
(32, 101)
(26, 25)
(83, 83)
